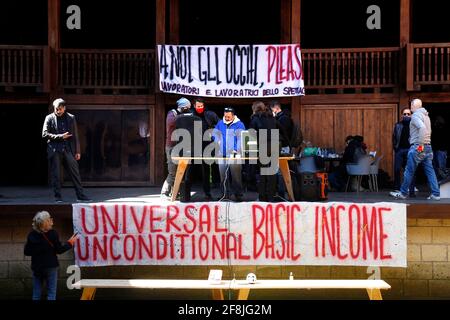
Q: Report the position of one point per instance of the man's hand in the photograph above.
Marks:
(66, 135)
(419, 148)
(72, 239)
(77, 156)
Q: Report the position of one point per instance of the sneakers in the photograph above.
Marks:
(433, 197)
(397, 195)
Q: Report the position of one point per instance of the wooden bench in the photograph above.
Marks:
(89, 286)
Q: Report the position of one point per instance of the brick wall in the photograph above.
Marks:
(427, 274)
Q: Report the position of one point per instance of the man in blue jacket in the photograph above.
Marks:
(227, 134)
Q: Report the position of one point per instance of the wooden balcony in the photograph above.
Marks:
(427, 65)
(23, 66)
(351, 68)
(102, 71)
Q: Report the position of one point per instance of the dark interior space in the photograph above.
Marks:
(23, 22)
(430, 21)
(24, 156)
(110, 24)
(204, 22)
(342, 24)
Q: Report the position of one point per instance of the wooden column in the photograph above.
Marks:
(285, 21)
(174, 23)
(159, 130)
(406, 68)
(295, 38)
(54, 44)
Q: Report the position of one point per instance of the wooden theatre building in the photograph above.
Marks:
(100, 57)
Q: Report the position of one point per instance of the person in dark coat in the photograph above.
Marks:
(400, 143)
(209, 121)
(262, 119)
(43, 245)
(187, 120)
(63, 147)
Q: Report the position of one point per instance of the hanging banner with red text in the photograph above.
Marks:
(253, 233)
(231, 71)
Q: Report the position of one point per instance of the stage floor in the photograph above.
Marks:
(43, 196)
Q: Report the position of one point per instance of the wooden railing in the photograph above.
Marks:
(106, 69)
(428, 64)
(22, 65)
(351, 68)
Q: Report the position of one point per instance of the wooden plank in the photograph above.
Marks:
(174, 24)
(88, 294)
(285, 21)
(405, 22)
(295, 21)
(374, 294)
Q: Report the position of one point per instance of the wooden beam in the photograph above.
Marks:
(110, 99)
(405, 22)
(174, 23)
(285, 21)
(370, 98)
(54, 45)
(406, 64)
(295, 21)
(158, 126)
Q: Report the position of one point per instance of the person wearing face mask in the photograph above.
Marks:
(400, 143)
(420, 152)
(209, 121)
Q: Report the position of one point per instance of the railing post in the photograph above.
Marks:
(46, 61)
(409, 67)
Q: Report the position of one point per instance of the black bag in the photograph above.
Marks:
(307, 187)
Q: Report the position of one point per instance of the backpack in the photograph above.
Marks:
(296, 138)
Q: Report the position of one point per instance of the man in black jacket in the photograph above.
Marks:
(193, 126)
(400, 143)
(285, 125)
(63, 146)
(209, 121)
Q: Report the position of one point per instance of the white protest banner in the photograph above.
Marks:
(231, 71)
(253, 233)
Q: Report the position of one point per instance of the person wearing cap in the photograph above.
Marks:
(420, 152)
(227, 134)
(183, 105)
(43, 245)
(209, 121)
(63, 146)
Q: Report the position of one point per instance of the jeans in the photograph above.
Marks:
(414, 159)
(50, 277)
(236, 178)
(401, 156)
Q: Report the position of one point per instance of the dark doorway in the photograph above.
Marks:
(343, 24)
(23, 22)
(24, 158)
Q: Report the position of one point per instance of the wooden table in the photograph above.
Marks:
(183, 162)
(372, 286)
(90, 286)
